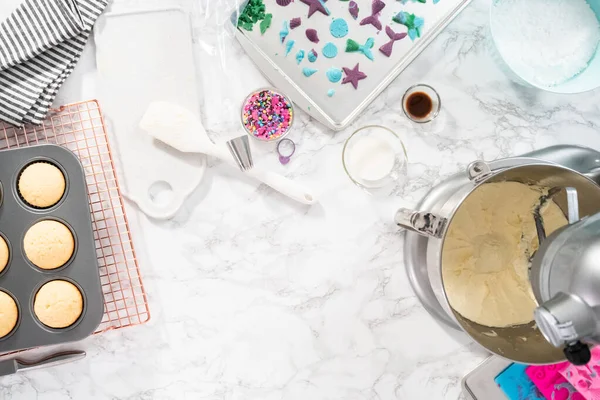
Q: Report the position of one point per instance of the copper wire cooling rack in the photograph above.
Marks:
(80, 128)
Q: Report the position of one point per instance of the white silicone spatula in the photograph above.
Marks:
(181, 129)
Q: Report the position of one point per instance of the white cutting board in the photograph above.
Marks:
(145, 55)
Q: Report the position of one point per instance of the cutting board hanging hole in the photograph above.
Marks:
(161, 193)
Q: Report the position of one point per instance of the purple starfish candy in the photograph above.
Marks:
(353, 76)
(394, 37)
(373, 19)
(316, 5)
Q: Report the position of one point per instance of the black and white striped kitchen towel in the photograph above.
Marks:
(40, 44)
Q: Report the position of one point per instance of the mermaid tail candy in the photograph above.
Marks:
(387, 48)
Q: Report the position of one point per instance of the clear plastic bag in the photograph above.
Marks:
(226, 74)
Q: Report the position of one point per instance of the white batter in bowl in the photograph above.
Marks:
(485, 258)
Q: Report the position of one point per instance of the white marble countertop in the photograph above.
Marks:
(254, 297)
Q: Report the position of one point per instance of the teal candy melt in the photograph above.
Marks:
(330, 92)
(588, 79)
(330, 50)
(289, 46)
(352, 46)
(300, 56)
(413, 23)
(285, 30)
(334, 74)
(338, 28)
(366, 49)
(309, 71)
(312, 56)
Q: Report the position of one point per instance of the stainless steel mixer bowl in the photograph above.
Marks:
(523, 343)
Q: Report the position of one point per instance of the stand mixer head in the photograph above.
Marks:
(565, 277)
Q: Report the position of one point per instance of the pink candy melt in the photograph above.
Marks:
(267, 115)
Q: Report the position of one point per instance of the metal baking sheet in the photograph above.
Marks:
(479, 384)
(310, 93)
(21, 278)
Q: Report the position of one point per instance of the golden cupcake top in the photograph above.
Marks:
(9, 314)
(58, 304)
(41, 184)
(49, 244)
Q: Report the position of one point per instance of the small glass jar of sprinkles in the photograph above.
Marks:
(267, 114)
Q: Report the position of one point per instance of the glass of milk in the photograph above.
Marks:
(374, 157)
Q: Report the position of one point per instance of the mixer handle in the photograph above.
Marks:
(478, 170)
(422, 222)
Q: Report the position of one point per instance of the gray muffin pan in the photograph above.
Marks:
(21, 279)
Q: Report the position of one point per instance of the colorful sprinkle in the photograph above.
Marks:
(289, 46)
(412, 22)
(330, 50)
(352, 47)
(285, 30)
(309, 71)
(334, 74)
(330, 92)
(300, 56)
(338, 28)
(312, 55)
(267, 115)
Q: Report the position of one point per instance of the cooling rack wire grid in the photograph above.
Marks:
(80, 128)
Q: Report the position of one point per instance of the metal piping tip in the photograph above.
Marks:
(240, 150)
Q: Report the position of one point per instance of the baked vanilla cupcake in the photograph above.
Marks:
(41, 184)
(49, 244)
(9, 314)
(58, 304)
(4, 254)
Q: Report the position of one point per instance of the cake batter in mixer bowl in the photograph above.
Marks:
(522, 343)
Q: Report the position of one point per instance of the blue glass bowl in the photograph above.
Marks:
(587, 80)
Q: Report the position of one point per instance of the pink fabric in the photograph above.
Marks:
(586, 380)
(551, 383)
